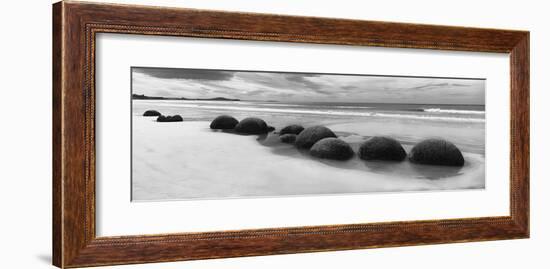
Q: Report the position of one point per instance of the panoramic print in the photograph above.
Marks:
(214, 134)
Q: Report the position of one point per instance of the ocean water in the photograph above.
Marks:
(463, 125)
(183, 169)
(441, 112)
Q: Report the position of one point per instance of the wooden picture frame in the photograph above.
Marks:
(75, 25)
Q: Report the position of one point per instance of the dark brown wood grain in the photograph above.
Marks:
(56, 136)
(76, 24)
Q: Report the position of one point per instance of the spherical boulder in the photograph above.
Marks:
(151, 113)
(251, 126)
(174, 118)
(382, 148)
(224, 122)
(292, 129)
(311, 135)
(436, 152)
(331, 148)
(288, 138)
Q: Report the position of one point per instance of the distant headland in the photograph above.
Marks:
(144, 97)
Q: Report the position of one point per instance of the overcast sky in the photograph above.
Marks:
(300, 87)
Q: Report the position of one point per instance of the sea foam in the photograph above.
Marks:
(324, 112)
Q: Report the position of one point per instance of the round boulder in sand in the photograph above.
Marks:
(251, 126)
(169, 118)
(288, 138)
(332, 148)
(291, 129)
(224, 122)
(151, 113)
(311, 135)
(436, 152)
(382, 148)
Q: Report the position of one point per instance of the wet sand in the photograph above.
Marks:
(187, 160)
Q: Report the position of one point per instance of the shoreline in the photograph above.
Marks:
(427, 113)
(279, 169)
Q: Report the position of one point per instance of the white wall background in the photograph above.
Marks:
(25, 136)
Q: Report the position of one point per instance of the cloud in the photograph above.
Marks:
(282, 81)
(350, 87)
(257, 92)
(437, 85)
(302, 79)
(190, 74)
(299, 87)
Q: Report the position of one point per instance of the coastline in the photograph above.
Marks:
(197, 165)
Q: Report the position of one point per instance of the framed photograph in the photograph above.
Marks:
(184, 134)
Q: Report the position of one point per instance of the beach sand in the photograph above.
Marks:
(186, 160)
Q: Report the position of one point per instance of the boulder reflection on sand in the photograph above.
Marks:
(436, 152)
(382, 148)
(292, 129)
(332, 148)
(288, 138)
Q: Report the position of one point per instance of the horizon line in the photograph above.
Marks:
(181, 98)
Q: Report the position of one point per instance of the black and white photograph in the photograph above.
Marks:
(151, 134)
(216, 134)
